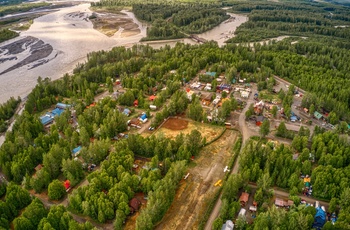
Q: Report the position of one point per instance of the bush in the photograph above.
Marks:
(56, 190)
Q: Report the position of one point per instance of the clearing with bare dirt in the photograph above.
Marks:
(191, 199)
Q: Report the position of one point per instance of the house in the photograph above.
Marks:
(243, 199)
(45, 120)
(280, 202)
(134, 205)
(244, 94)
(152, 97)
(317, 115)
(134, 122)
(206, 98)
(76, 151)
(126, 112)
(57, 112)
(228, 225)
(62, 106)
(306, 110)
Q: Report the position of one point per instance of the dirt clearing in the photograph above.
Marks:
(174, 126)
(191, 199)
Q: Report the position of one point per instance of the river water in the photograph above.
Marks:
(72, 37)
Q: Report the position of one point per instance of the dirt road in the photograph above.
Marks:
(246, 134)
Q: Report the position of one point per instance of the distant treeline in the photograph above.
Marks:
(267, 20)
(7, 110)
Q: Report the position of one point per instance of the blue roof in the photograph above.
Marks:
(62, 105)
(76, 150)
(57, 111)
(293, 118)
(211, 74)
(46, 120)
(143, 116)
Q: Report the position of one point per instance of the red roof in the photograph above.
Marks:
(244, 197)
(136, 102)
(66, 184)
(152, 97)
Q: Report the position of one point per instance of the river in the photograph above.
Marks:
(72, 37)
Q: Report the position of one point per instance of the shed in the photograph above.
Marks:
(317, 115)
(228, 225)
(244, 198)
(134, 205)
(152, 97)
(143, 117)
(136, 103)
(45, 120)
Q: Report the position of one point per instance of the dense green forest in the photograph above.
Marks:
(268, 20)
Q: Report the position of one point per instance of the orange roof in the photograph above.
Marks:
(244, 197)
(66, 184)
(152, 97)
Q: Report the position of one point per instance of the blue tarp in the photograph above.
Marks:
(76, 150)
(62, 106)
(57, 111)
(293, 118)
(143, 116)
(126, 111)
(320, 218)
(211, 74)
(46, 120)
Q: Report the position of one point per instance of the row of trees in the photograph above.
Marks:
(7, 110)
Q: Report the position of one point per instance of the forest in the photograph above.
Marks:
(269, 164)
(268, 20)
(15, 8)
(319, 65)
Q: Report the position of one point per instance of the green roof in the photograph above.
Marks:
(318, 115)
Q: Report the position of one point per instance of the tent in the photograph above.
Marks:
(76, 150)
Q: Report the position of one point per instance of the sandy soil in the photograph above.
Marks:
(110, 24)
(71, 36)
(173, 127)
(191, 199)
